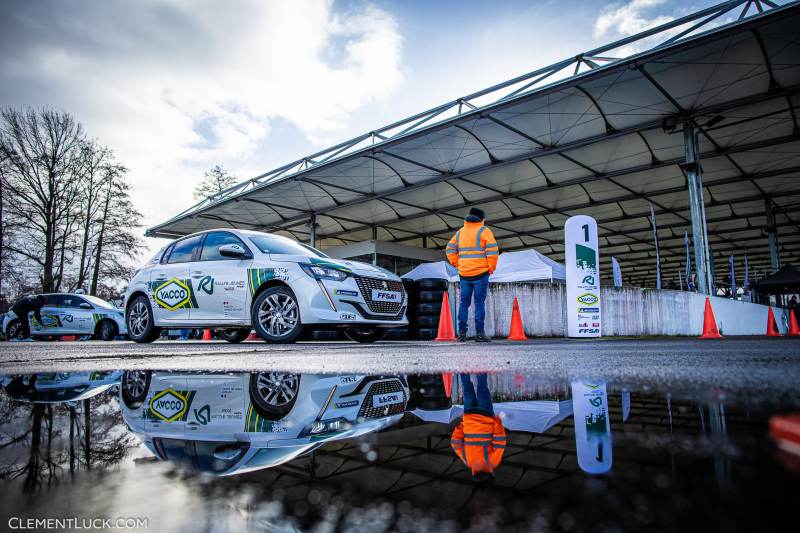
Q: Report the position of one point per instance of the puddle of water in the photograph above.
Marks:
(225, 451)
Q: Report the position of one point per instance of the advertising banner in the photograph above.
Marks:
(592, 427)
(582, 258)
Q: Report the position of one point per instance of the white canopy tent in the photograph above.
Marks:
(527, 265)
(437, 270)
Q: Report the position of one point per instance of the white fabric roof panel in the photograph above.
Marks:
(592, 143)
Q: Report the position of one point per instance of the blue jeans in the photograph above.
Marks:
(482, 402)
(478, 288)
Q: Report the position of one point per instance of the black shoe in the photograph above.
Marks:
(480, 337)
(462, 337)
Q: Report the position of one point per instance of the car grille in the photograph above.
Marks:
(365, 285)
(367, 411)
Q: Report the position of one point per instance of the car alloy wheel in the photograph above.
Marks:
(276, 389)
(138, 319)
(135, 384)
(278, 314)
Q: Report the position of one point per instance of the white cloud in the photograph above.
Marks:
(176, 87)
(629, 19)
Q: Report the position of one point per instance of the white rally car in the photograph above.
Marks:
(60, 386)
(230, 423)
(236, 280)
(71, 314)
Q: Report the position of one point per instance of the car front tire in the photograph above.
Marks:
(106, 330)
(140, 321)
(365, 335)
(234, 335)
(273, 394)
(276, 315)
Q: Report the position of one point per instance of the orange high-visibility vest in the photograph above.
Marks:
(473, 250)
(479, 441)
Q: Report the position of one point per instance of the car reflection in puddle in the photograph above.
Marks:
(284, 451)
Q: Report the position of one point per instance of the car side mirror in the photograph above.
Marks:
(232, 250)
(84, 305)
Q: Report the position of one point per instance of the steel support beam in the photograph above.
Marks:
(312, 234)
(772, 235)
(694, 182)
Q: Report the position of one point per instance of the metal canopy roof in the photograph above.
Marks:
(587, 135)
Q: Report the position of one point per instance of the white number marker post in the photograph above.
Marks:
(583, 277)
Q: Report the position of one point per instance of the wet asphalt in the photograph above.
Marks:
(765, 367)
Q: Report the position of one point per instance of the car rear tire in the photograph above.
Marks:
(234, 335)
(106, 330)
(140, 320)
(273, 394)
(365, 335)
(14, 330)
(276, 315)
(134, 387)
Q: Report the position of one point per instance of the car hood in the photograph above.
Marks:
(363, 269)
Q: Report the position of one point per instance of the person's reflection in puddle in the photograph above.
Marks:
(479, 439)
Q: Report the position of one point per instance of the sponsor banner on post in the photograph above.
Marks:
(592, 426)
(582, 258)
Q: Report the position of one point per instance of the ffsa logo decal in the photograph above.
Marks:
(172, 294)
(168, 405)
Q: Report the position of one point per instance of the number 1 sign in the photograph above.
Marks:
(582, 258)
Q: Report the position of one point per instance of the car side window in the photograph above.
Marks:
(54, 300)
(73, 302)
(163, 258)
(214, 240)
(183, 251)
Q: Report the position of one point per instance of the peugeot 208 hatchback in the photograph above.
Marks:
(236, 280)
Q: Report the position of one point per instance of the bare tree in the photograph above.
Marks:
(94, 160)
(42, 149)
(216, 180)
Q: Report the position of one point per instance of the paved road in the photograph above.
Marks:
(766, 366)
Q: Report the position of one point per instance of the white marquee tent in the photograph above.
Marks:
(526, 265)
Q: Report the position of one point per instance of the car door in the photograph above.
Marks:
(167, 404)
(78, 317)
(52, 316)
(170, 285)
(220, 282)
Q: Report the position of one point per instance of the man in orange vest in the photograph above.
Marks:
(473, 251)
(479, 439)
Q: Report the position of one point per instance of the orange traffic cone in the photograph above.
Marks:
(446, 331)
(517, 332)
(207, 334)
(252, 336)
(710, 330)
(447, 379)
(772, 326)
(794, 331)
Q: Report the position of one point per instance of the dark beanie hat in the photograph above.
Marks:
(475, 215)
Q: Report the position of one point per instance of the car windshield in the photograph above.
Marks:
(99, 302)
(271, 244)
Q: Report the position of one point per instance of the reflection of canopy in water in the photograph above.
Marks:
(593, 134)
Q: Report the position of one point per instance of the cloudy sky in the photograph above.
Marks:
(175, 87)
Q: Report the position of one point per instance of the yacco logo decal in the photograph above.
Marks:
(172, 294)
(587, 298)
(206, 285)
(168, 405)
(585, 258)
(589, 280)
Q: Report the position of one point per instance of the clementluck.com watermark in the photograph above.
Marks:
(17, 523)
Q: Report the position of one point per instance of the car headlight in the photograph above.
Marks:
(319, 272)
(322, 427)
